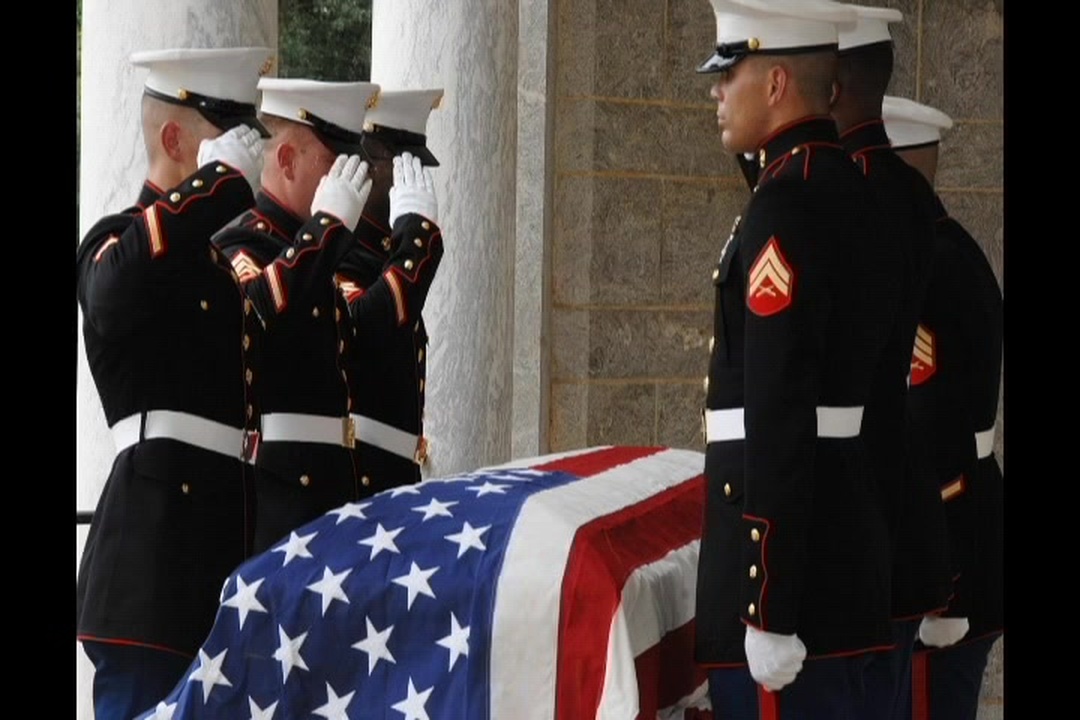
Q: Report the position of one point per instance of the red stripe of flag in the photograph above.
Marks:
(605, 552)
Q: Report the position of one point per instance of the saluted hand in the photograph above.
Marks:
(240, 147)
(344, 190)
(413, 190)
(774, 659)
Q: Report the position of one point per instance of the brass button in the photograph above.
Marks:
(221, 169)
(290, 252)
(421, 384)
(796, 150)
(761, 157)
(324, 221)
(420, 355)
(204, 305)
(365, 481)
(753, 571)
(197, 182)
(416, 327)
(260, 225)
(175, 197)
(426, 225)
(247, 341)
(182, 94)
(250, 411)
(727, 489)
(305, 480)
(755, 535)
(715, 273)
(341, 346)
(307, 237)
(386, 243)
(314, 312)
(185, 488)
(418, 243)
(753, 43)
(712, 343)
(247, 307)
(248, 375)
(751, 610)
(408, 264)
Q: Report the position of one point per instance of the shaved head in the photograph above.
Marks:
(863, 75)
(172, 134)
(813, 75)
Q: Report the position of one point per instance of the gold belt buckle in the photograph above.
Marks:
(348, 432)
(422, 448)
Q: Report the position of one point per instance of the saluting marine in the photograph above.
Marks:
(387, 361)
(794, 559)
(955, 385)
(164, 324)
(286, 250)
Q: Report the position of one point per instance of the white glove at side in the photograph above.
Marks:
(413, 190)
(774, 659)
(344, 190)
(241, 147)
(941, 632)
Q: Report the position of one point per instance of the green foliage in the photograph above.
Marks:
(325, 39)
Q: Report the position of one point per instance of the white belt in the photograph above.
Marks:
(388, 438)
(184, 427)
(299, 427)
(832, 422)
(984, 442)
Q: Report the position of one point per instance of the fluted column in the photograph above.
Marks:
(469, 48)
(113, 167)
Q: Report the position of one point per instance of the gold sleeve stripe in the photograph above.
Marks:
(952, 489)
(157, 237)
(113, 240)
(399, 296)
(276, 288)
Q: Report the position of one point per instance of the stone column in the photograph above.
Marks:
(113, 166)
(469, 48)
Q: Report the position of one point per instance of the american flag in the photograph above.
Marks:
(559, 587)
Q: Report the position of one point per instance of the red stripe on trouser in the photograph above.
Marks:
(920, 686)
(593, 463)
(666, 673)
(768, 704)
(604, 554)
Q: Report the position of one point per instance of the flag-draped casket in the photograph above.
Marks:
(559, 587)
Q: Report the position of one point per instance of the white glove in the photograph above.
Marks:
(774, 659)
(241, 147)
(941, 632)
(344, 190)
(413, 190)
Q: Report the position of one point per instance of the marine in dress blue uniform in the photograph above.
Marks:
(164, 322)
(286, 251)
(955, 385)
(921, 572)
(388, 359)
(794, 561)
